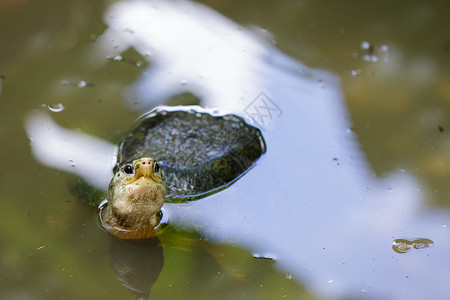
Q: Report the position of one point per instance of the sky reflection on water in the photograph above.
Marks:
(312, 202)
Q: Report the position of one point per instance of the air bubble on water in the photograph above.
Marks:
(118, 58)
(370, 58)
(82, 84)
(139, 63)
(289, 276)
(59, 107)
(365, 45)
(384, 48)
(183, 82)
(355, 73)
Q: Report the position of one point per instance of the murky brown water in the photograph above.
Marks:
(397, 88)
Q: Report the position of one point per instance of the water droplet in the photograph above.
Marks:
(289, 276)
(384, 48)
(365, 45)
(59, 107)
(355, 73)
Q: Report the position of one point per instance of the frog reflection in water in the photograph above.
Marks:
(135, 197)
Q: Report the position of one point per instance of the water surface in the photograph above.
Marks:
(336, 216)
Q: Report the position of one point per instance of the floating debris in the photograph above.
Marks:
(268, 256)
(120, 58)
(72, 163)
(1, 78)
(404, 246)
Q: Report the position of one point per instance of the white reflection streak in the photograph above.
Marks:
(74, 152)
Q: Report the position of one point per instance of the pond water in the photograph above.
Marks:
(316, 218)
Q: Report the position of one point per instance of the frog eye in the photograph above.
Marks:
(128, 169)
(156, 167)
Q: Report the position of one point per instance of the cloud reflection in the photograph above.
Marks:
(71, 151)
